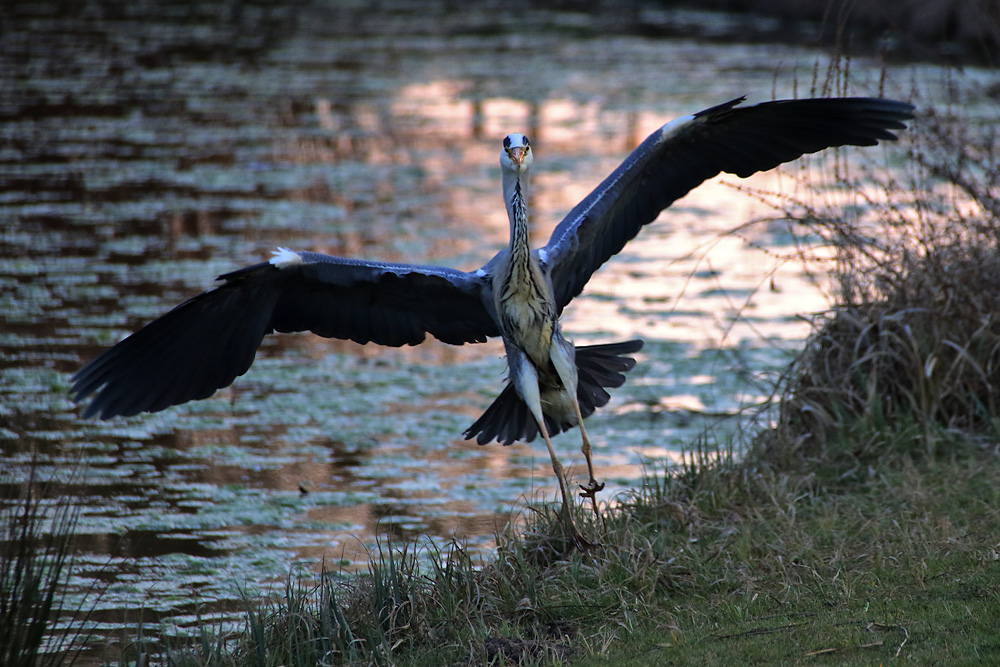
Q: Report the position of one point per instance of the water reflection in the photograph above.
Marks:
(140, 158)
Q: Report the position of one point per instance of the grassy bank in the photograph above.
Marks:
(861, 560)
(880, 548)
(891, 559)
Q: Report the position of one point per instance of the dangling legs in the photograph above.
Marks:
(564, 359)
(593, 486)
(557, 468)
(526, 382)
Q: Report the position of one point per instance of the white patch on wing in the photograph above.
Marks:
(284, 257)
(674, 127)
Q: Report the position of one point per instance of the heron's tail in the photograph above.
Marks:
(598, 366)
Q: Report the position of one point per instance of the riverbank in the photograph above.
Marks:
(851, 558)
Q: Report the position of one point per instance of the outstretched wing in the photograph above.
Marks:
(203, 344)
(685, 152)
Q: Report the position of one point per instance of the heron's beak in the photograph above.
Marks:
(516, 155)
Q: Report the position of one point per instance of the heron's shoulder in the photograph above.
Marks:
(283, 258)
(293, 266)
(673, 129)
(683, 125)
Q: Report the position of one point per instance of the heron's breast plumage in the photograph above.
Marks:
(527, 312)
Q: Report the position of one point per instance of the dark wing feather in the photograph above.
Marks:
(206, 342)
(679, 156)
(388, 304)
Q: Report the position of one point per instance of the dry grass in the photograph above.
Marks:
(916, 332)
(36, 550)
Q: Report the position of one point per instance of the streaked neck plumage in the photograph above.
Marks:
(514, 193)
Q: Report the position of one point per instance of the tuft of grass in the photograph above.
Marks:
(915, 333)
(36, 551)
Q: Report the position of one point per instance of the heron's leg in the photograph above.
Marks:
(563, 356)
(561, 476)
(526, 382)
(593, 486)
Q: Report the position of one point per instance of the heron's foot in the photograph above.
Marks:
(591, 489)
(580, 544)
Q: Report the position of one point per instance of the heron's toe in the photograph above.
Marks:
(582, 545)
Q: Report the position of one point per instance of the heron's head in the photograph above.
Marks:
(516, 155)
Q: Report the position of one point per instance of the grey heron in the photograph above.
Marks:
(203, 344)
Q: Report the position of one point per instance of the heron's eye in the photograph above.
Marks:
(506, 142)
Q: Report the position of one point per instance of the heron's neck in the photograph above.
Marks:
(523, 299)
(514, 187)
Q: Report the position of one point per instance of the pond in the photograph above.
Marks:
(145, 150)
